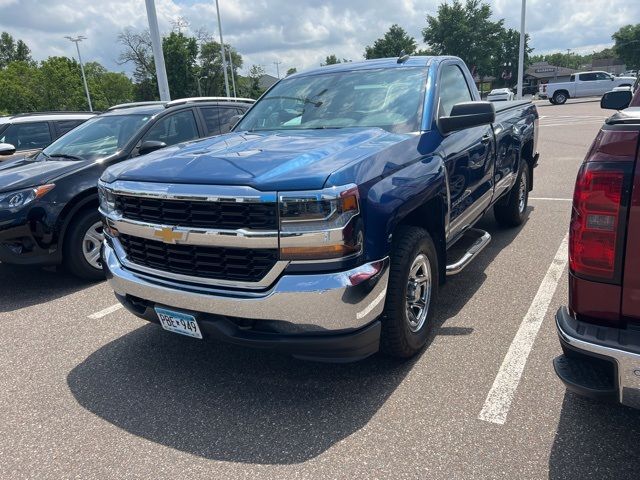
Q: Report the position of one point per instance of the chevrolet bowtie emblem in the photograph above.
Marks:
(169, 235)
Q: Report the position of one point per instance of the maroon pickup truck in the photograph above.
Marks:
(600, 329)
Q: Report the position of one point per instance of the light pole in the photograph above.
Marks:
(77, 40)
(224, 56)
(233, 77)
(277, 64)
(521, 52)
(158, 56)
(199, 86)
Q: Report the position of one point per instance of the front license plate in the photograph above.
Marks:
(178, 322)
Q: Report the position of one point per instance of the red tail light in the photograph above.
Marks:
(595, 220)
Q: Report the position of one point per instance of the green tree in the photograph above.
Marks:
(12, 51)
(180, 54)
(210, 69)
(467, 31)
(60, 85)
(507, 56)
(291, 71)
(19, 86)
(627, 45)
(331, 60)
(107, 88)
(250, 86)
(391, 44)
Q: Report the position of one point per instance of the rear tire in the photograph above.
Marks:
(411, 294)
(511, 210)
(560, 98)
(82, 245)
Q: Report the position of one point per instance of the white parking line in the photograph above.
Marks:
(106, 311)
(498, 401)
(550, 199)
(572, 124)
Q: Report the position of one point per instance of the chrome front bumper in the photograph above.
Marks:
(312, 303)
(593, 339)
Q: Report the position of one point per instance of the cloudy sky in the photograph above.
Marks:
(297, 33)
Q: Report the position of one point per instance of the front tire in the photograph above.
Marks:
(82, 245)
(411, 294)
(511, 210)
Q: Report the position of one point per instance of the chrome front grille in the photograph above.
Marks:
(213, 235)
(234, 264)
(199, 213)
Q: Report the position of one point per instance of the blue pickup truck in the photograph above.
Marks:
(325, 222)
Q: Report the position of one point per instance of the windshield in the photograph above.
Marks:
(390, 99)
(97, 138)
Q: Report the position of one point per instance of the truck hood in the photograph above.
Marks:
(27, 172)
(274, 160)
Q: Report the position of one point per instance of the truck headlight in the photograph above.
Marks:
(320, 225)
(107, 200)
(16, 200)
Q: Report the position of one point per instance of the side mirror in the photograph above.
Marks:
(7, 149)
(616, 100)
(149, 146)
(466, 115)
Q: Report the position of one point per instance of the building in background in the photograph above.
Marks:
(267, 81)
(543, 72)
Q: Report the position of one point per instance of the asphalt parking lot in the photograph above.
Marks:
(89, 391)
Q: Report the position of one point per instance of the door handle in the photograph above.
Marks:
(485, 139)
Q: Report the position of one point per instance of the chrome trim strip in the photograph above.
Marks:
(241, 238)
(503, 185)
(265, 282)
(470, 214)
(314, 303)
(202, 193)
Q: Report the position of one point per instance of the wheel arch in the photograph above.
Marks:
(431, 216)
(528, 155)
(82, 201)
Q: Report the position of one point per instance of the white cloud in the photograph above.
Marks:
(297, 33)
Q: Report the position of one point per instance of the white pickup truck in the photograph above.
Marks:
(583, 84)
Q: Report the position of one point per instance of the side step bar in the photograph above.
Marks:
(483, 240)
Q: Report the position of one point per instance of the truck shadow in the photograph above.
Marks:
(595, 440)
(226, 403)
(22, 287)
(460, 288)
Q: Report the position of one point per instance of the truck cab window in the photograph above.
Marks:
(453, 89)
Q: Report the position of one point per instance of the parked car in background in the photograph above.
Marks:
(323, 225)
(49, 201)
(27, 133)
(599, 330)
(583, 84)
(501, 95)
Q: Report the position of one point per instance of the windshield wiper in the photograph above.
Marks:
(299, 99)
(65, 155)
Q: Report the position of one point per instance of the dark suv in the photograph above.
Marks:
(49, 201)
(26, 133)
